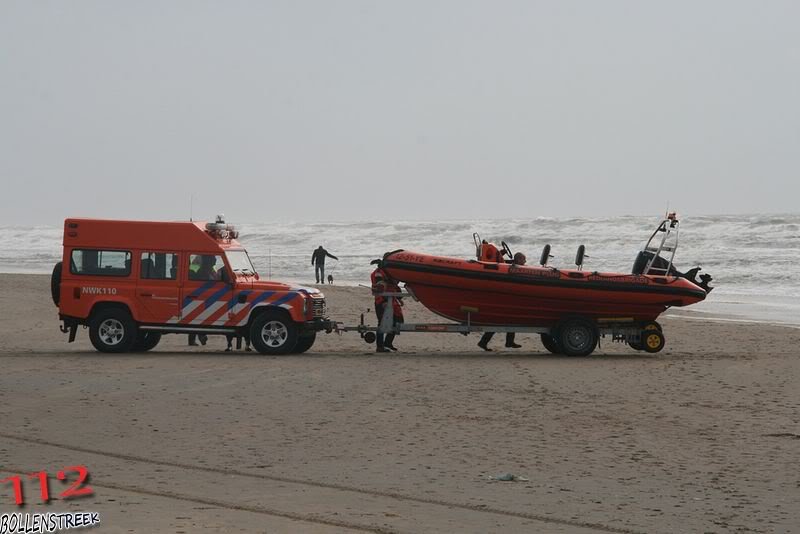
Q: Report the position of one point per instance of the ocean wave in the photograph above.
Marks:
(747, 254)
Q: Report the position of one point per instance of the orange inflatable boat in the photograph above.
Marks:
(496, 292)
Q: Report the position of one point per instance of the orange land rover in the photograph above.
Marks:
(130, 282)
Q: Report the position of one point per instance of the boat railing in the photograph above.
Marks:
(668, 243)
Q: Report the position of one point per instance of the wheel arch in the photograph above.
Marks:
(97, 307)
(268, 308)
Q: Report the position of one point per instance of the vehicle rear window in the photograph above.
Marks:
(100, 262)
(159, 265)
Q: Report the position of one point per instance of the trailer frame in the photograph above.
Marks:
(620, 329)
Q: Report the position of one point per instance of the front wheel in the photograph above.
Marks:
(652, 341)
(304, 343)
(112, 330)
(273, 333)
(577, 337)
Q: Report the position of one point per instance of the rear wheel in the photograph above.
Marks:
(577, 337)
(304, 343)
(273, 332)
(112, 330)
(146, 341)
(551, 344)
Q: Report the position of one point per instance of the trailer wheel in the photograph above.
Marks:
(577, 337)
(652, 325)
(273, 332)
(55, 284)
(304, 343)
(551, 344)
(112, 330)
(146, 341)
(652, 341)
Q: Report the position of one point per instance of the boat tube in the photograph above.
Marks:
(502, 293)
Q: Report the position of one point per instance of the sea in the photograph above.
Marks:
(754, 259)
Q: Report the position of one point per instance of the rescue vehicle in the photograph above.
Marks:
(130, 282)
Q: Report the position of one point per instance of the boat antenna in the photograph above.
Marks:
(269, 253)
(667, 212)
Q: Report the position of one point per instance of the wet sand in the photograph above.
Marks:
(702, 437)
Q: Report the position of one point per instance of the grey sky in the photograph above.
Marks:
(368, 109)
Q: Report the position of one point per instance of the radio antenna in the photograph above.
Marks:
(191, 207)
(269, 253)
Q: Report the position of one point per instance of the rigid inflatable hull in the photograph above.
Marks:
(535, 296)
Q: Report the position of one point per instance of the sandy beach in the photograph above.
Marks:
(702, 437)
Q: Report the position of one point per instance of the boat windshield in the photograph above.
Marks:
(240, 262)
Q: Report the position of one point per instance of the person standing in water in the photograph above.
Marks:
(318, 261)
(519, 259)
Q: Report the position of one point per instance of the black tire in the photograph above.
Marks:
(112, 330)
(146, 341)
(55, 284)
(304, 343)
(273, 332)
(551, 344)
(577, 337)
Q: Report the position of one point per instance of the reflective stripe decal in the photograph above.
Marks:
(216, 296)
(216, 310)
(208, 312)
(197, 292)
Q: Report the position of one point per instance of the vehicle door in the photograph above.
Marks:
(158, 287)
(206, 290)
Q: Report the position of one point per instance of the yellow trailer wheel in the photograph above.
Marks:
(652, 341)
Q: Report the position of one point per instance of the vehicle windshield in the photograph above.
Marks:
(240, 262)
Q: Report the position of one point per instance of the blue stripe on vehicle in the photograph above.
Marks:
(281, 300)
(262, 297)
(234, 301)
(197, 292)
(216, 296)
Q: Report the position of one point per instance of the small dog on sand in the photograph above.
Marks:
(330, 279)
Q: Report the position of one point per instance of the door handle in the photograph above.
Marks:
(145, 294)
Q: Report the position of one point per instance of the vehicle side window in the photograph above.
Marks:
(206, 267)
(100, 262)
(159, 266)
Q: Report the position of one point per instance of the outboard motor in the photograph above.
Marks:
(579, 257)
(545, 256)
(660, 263)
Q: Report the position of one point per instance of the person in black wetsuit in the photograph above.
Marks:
(318, 261)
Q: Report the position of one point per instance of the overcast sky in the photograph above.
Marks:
(341, 110)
